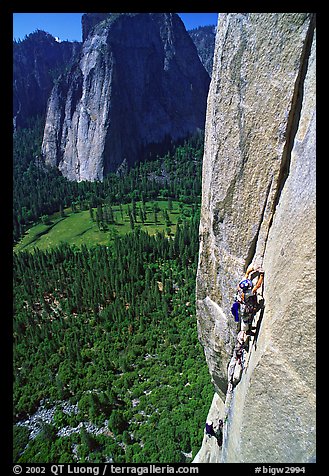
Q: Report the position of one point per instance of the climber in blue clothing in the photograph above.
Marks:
(245, 305)
(210, 429)
(218, 434)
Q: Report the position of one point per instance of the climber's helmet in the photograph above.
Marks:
(245, 284)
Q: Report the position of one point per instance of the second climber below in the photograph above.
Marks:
(246, 297)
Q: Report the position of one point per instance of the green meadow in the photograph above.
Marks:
(79, 228)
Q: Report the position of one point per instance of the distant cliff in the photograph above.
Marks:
(38, 60)
(258, 205)
(204, 39)
(89, 20)
(138, 86)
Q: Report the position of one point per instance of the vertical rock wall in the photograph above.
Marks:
(138, 86)
(258, 205)
(37, 61)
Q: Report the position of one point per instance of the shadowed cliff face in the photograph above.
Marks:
(89, 20)
(258, 205)
(38, 60)
(204, 40)
(138, 86)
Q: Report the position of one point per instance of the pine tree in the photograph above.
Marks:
(132, 222)
(121, 211)
(100, 217)
(61, 211)
(91, 212)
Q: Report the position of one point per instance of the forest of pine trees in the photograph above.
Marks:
(40, 190)
(109, 329)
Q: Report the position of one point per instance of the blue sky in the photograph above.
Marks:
(67, 26)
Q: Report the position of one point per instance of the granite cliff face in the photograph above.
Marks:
(258, 206)
(89, 20)
(38, 60)
(204, 39)
(138, 86)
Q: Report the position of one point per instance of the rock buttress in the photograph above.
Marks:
(258, 204)
(138, 86)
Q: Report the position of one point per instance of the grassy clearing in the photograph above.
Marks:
(78, 228)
